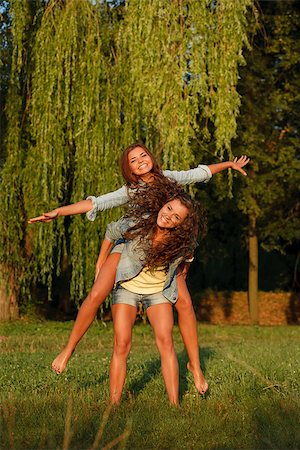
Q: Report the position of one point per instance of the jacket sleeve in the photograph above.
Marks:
(116, 230)
(200, 174)
(107, 201)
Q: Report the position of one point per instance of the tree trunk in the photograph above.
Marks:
(8, 300)
(253, 272)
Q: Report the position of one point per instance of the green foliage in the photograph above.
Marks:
(181, 62)
(269, 128)
(13, 262)
(5, 66)
(100, 77)
(224, 49)
(70, 134)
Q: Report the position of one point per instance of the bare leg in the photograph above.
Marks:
(161, 319)
(188, 329)
(88, 310)
(124, 317)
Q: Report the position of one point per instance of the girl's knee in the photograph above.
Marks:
(122, 346)
(164, 343)
(95, 296)
(184, 303)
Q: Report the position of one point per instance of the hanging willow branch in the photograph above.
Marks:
(70, 129)
(102, 78)
(13, 251)
(228, 26)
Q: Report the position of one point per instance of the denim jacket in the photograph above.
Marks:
(133, 257)
(120, 197)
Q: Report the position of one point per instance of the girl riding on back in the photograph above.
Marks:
(138, 166)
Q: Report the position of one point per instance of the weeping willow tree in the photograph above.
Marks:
(175, 65)
(102, 77)
(13, 245)
(70, 153)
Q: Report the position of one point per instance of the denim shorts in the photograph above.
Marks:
(122, 296)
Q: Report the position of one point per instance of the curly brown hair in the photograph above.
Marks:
(181, 240)
(130, 178)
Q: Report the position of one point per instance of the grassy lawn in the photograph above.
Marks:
(253, 401)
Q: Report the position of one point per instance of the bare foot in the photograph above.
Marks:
(60, 362)
(199, 380)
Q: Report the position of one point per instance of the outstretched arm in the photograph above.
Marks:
(236, 164)
(77, 208)
(90, 206)
(203, 173)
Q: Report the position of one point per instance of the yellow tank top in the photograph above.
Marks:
(146, 282)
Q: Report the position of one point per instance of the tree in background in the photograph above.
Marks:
(269, 128)
(5, 66)
(101, 75)
(13, 246)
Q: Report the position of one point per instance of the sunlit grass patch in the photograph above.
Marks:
(252, 402)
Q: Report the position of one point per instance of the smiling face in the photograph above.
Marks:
(172, 214)
(140, 162)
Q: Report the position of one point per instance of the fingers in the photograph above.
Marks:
(46, 217)
(238, 168)
(37, 219)
(242, 161)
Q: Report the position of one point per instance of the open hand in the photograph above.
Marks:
(45, 217)
(237, 164)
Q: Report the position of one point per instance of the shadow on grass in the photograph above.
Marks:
(274, 424)
(93, 381)
(277, 426)
(151, 368)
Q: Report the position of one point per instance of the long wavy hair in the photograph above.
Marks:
(180, 241)
(130, 178)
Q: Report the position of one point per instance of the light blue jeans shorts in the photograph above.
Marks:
(122, 296)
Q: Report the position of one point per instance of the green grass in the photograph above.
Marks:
(253, 400)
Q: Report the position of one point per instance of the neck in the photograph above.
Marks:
(147, 177)
(160, 234)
